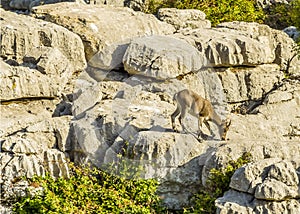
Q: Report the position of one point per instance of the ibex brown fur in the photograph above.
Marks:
(190, 102)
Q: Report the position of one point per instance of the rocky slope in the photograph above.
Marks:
(83, 83)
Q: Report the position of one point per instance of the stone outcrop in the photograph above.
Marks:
(29, 4)
(245, 44)
(268, 119)
(162, 57)
(50, 113)
(281, 46)
(105, 31)
(45, 76)
(182, 19)
(270, 185)
(16, 42)
(259, 150)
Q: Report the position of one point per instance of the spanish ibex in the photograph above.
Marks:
(190, 102)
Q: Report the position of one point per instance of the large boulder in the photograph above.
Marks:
(252, 83)
(180, 19)
(268, 118)
(270, 185)
(50, 71)
(259, 150)
(243, 44)
(162, 57)
(32, 143)
(16, 41)
(105, 31)
(29, 4)
(281, 45)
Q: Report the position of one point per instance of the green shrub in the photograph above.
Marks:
(91, 191)
(216, 10)
(217, 184)
(280, 15)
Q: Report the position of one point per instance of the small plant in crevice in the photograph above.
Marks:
(90, 190)
(216, 185)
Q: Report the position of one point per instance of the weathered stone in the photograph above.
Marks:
(164, 150)
(23, 82)
(281, 46)
(230, 50)
(16, 42)
(234, 202)
(20, 145)
(275, 190)
(269, 179)
(105, 31)
(286, 206)
(249, 83)
(268, 3)
(188, 18)
(29, 4)
(23, 165)
(237, 202)
(161, 57)
(285, 172)
(269, 120)
(259, 149)
(55, 162)
(48, 61)
(271, 186)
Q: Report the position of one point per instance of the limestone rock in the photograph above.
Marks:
(30, 140)
(249, 83)
(286, 206)
(237, 202)
(232, 49)
(274, 188)
(268, 3)
(188, 18)
(105, 31)
(246, 179)
(259, 124)
(23, 82)
(234, 201)
(29, 4)
(161, 57)
(259, 149)
(16, 42)
(241, 43)
(282, 47)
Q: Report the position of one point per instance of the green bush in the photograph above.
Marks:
(217, 184)
(91, 191)
(280, 15)
(216, 10)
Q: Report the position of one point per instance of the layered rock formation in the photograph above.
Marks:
(96, 84)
